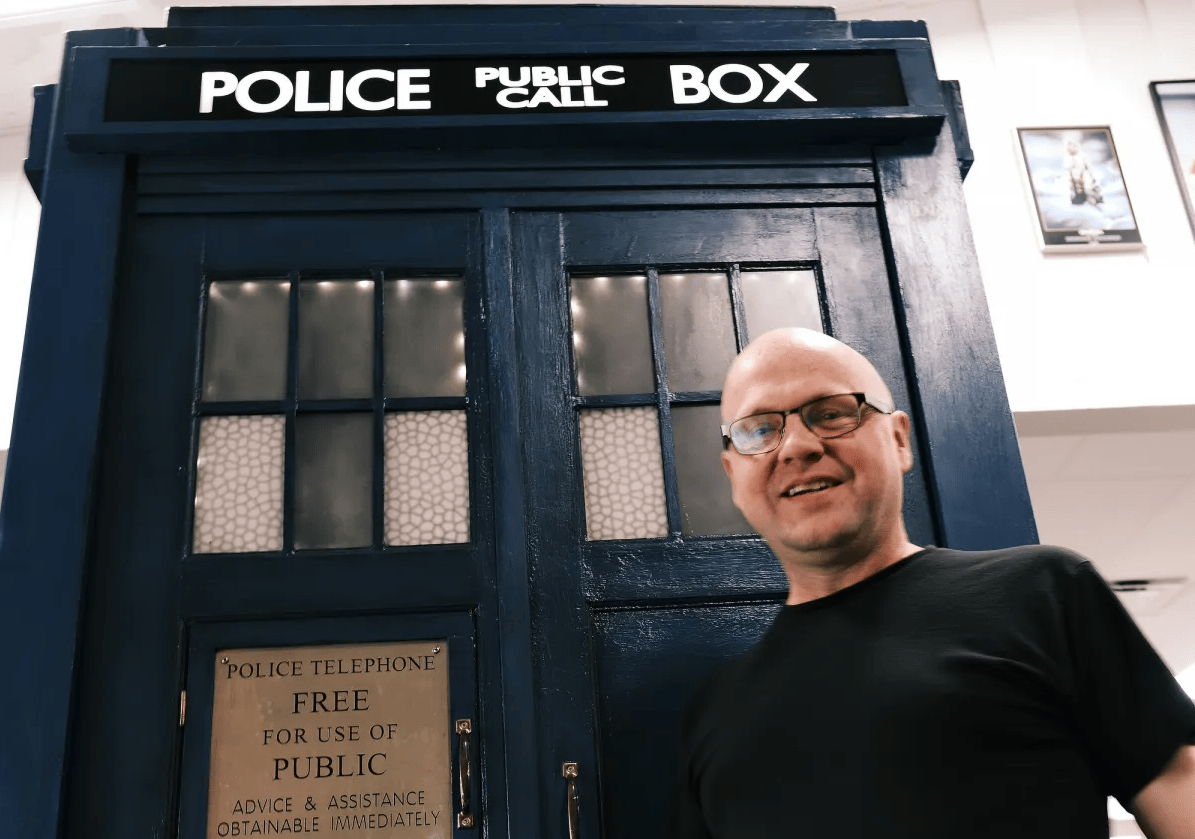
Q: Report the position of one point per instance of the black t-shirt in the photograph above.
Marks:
(996, 694)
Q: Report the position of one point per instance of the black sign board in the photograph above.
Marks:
(187, 90)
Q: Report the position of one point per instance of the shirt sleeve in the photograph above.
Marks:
(1132, 712)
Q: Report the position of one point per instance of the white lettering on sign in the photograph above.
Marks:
(690, 87)
(553, 85)
(251, 94)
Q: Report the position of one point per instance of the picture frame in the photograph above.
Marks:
(1079, 195)
(1175, 103)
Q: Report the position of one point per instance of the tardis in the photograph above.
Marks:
(364, 478)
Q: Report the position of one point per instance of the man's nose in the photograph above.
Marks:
(798, 442)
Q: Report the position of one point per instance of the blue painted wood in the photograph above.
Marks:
(423, 14)
(39, 135)
(359, 202)
(508, 424)
(513, 35)
(45, 518)
(965, 425)
(957, 119)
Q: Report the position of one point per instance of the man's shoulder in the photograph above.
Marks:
(1010, 562)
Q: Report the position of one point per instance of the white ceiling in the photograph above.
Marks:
(1118, 486)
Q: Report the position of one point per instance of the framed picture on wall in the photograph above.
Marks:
(1175, 103)
(1079, 194)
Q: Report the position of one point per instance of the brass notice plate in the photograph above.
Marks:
(348, 741)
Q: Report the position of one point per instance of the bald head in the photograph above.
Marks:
(798, 354)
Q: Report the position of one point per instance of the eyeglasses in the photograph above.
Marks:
(828, 417)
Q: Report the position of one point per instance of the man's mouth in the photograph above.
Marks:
(811, 486)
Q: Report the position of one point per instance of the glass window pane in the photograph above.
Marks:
(427, 478)
(336, 339)
(238, 487)
(611, 343)
(698, 330)
(705, 503)
(244, 346)
(425, 337)
(623, 474)
(333, 480)
(774, 299)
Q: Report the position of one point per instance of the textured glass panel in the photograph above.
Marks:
(698, 330)
(427, 478)
(610, 338)
(774, 299)
(706, 508)
(244, 346)
(238, 487)
(624, 478)
(336, 339)
(425, 337)
(333, 480)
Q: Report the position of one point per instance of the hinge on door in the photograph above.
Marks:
(182, 708)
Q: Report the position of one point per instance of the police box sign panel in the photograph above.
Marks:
(186, 90)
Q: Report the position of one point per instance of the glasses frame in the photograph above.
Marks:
(864, 400)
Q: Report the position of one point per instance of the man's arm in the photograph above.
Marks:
(1165, 809)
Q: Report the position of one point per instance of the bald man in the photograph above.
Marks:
(906, 691)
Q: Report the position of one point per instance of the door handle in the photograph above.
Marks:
(574, 807)
(464, 772)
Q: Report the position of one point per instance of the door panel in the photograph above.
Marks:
(150, 579)
(628, 627)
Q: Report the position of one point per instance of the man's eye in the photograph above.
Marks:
(757, 429)
(827, 415)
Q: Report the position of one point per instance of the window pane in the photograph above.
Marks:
(333, 480)
(705, 503)
(238, 488)
(336, 339)
(623, 474)
(698, 330)
(774, 299)
(427, 478)
(244, 347)
(611, 343)
(425, 337)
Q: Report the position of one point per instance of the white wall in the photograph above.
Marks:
(1074, 331)
(19, 211)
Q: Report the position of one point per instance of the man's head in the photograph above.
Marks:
(815, 500)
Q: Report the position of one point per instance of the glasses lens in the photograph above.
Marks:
(833, 415)
(759, 433)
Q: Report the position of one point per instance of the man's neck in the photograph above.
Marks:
(811, 577)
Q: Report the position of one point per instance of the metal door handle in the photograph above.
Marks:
(574, 807)
(463, 771)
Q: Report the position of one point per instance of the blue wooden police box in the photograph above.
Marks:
(568, 218)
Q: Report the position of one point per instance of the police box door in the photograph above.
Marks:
(645, 577)
(293, 455)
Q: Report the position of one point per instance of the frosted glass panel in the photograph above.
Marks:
(333, 480)
(611, 343)
(774, 299)
(698, 330)
(425, 337)
(238, 488)
(244, 346)
(336, 339)
(706, 508)
(623, 475)
(427, 478)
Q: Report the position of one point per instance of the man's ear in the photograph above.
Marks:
(904, 444)
(728, 466)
